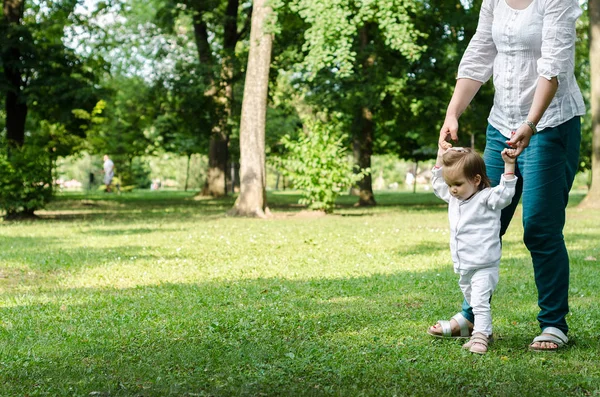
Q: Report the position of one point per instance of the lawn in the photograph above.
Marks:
(158, 294)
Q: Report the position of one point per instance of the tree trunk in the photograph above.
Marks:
(234, 178)
(218, 155)
(592, 200)
(201, 36)
(187, 172)
(252, 200)
(364, 131)
(51, 168)
(15, 103)
(363, 149)
(415, 174)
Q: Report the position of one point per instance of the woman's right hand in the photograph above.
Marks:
(449, 131)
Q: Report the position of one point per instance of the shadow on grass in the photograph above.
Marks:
(95, 207)
(151, 206)
(431, 247)
(341, 336)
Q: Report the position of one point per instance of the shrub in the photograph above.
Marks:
(133, 172)
(318, 165)
(25, 180)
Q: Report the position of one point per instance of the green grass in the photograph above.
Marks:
(158, 294)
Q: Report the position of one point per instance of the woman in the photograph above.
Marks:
(529, 48)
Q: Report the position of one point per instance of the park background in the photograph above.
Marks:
(306, 115)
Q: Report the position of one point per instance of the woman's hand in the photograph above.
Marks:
(520, 138)
(449, 130)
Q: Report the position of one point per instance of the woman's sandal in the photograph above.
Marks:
(478, 343)
(465, 329)
(550, 335)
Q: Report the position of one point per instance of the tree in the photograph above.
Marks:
(15, 101)
(592, 200)
(157, 99)
(252, 200)
(375, 62)
(42, 82)
(221, 90)
(40, 74)
(189, 50)
(416, 100)
(127, 132)
(220, 70)
(217, 26)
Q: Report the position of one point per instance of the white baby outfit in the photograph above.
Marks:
(475, 242)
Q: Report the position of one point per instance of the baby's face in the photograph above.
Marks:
(460, 187)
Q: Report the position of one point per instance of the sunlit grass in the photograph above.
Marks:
(156, 294)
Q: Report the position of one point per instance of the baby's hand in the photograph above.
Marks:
(509, 155)
(443, 148)
(445, 145)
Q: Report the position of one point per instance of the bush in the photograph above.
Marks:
(318, 165)
(131, 171)
(25, 180)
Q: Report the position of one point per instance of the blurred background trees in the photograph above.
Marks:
(145, 81)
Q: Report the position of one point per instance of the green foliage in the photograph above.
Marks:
(582, 73)
(398, 59)
(25, 180)
(334, 25)
(390, 168)
(51, 80)
(415, 102)
(132, 171)
(283, 116)
(55, 139)
(94, 117)
(186, 114)
(125, 127)
(318, 164)
(59, 141)
(55, 78)
(138, 174)
(91, 123)
(174, 167)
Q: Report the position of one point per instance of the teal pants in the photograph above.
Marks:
(546, 169)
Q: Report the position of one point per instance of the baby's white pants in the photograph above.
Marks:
(477, 287)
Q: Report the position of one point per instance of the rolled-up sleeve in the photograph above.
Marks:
(558, 38)
(477, 62)
(501, 196)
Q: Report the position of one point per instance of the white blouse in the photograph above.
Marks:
(519, 46)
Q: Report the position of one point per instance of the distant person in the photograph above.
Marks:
(474, 207)
(109, 172)
(155, 184)
(410, 179)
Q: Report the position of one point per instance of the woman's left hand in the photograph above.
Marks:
(520, 138)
